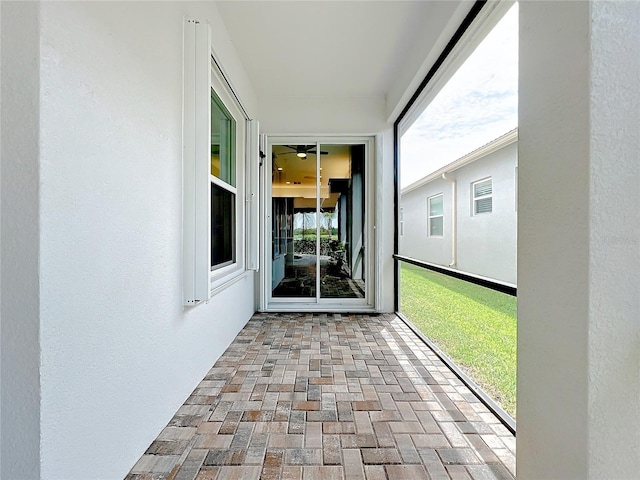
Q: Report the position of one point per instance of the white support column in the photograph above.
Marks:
(579, 241)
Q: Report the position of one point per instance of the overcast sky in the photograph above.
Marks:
(478, 105)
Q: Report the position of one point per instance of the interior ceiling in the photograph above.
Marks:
(302, 172)
(331, 48)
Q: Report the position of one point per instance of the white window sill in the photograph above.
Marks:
(220, 284)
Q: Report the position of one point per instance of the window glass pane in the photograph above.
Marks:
(435, 225)
(435, 205)
(223, 204)
(484, 205)
(222, 142)
(482, 188)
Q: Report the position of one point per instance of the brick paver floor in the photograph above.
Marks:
(329, 396)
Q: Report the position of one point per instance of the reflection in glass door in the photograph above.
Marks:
(342, 222)
(318, 222)
(293, 216)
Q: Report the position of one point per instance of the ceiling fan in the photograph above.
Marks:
(301, 151)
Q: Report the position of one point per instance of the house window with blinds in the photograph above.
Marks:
(482, 196)
(436, 216)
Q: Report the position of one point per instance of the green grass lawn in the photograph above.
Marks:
(473, 325)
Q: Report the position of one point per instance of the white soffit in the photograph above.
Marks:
(333, 48)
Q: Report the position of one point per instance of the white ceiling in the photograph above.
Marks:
(332, 48)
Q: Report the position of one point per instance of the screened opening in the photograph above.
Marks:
(457, 153)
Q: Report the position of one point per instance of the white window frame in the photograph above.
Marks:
(431, 217)
(220, 274)
(200, 76)
(474, 198)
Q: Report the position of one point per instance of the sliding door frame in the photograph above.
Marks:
(269, 303)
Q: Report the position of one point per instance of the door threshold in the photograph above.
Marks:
(304, 308)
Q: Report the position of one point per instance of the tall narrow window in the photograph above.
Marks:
(223, 182)
(436, 217)
(482, 196)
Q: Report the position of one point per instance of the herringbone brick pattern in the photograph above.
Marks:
(317, 396)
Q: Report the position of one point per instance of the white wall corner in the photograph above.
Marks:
(578, 307)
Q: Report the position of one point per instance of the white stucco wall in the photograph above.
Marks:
(553, 250)
(119, 354)
(578, 241)
(19, 278)
(614, 304)
(486, 243)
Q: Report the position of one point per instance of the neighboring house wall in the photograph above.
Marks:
(119, 353)
(486, 243)
(415, 240)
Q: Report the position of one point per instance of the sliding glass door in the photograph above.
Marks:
(318, 226)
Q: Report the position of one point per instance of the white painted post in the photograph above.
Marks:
(579, 241)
